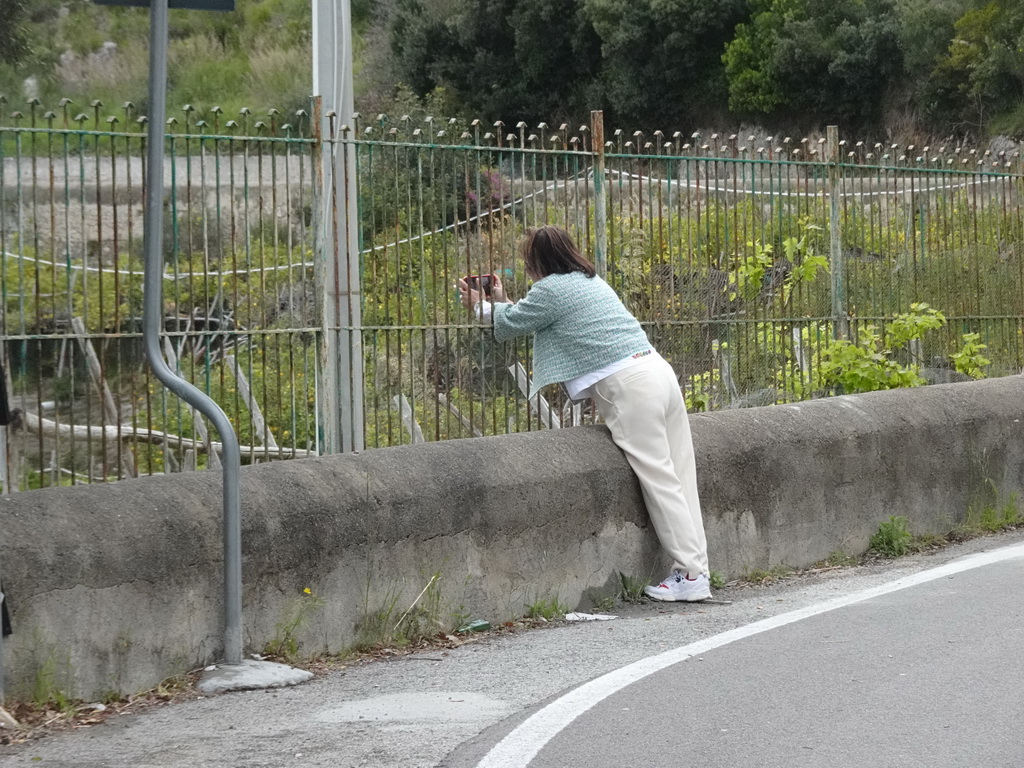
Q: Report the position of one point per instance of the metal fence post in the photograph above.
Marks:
(340, 282)
(600, 196)
(328, 435)
(840, 316)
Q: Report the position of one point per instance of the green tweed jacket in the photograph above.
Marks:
(579, 326)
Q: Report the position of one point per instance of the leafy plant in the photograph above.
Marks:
(872, 364)
(969, 360)
(746, 279)
(717, 580)
(699, 396)
(893, 537)
(547, 608)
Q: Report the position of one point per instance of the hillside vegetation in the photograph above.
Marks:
(905, 66)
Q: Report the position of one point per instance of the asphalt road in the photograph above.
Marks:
(895, 664)
(925, 675)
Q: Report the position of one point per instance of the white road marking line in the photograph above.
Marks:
(519, 747)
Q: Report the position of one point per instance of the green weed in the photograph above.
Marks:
(285, 643)
(837, 559)
(547, 608)
(390, 626)
(893, 538)
(759, 576)
(605, 604)
(47, 690)
(991, 518)
(717, 579)
(631, 589)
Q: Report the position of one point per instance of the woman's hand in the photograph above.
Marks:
(470, 297)
(498, 290)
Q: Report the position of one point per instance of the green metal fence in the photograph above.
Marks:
(240, 307)
(310, 283)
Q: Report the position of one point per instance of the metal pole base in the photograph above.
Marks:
(250, 675)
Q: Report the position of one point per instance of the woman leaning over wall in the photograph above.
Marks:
(585, 338)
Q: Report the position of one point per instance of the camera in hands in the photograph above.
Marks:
(483, 283)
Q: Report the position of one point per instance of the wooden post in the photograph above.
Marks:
(458, 414)
(600, 194)
(537, 404)
(259, 424)
(99, 382)
(408, 419)
(838, 267)
(197, 418)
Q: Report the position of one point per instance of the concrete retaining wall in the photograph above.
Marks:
(117, 587)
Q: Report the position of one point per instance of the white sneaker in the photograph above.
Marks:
(677, 588)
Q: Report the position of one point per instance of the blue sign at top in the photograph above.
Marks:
(195, 5)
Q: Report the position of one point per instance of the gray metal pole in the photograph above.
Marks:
(152, 318)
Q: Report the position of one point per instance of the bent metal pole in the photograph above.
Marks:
(152, 318)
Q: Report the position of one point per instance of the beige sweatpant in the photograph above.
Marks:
(644, 409)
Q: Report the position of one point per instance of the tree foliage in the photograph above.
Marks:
(13, 34)
(982, 71)
(936, 65)
(660, 59)
(828, 58)
(521, 58)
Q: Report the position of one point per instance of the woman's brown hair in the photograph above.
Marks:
(551, 251)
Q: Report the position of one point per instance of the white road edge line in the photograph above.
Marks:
(519, 747)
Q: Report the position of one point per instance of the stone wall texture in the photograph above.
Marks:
(116, 587)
